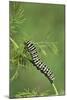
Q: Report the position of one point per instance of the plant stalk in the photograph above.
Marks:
(55, 89)
(14, 43)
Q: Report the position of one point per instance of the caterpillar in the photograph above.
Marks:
(37, 61)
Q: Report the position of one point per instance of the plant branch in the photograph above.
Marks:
(14, 43)
(55, 89)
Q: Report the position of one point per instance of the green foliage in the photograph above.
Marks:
(43, 46)
(26, 93)
(16, 17)
(31, 93)
(19, 57)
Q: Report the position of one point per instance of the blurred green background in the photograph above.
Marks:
(44, 25)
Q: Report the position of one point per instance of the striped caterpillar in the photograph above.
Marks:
(37, 62)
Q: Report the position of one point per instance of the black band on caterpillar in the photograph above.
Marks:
(37, 62)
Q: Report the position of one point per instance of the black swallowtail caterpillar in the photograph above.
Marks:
(37, 62)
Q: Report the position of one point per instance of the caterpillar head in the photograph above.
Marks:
(28, 43)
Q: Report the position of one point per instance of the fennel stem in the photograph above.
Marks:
(14, 43)
(55, 89)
